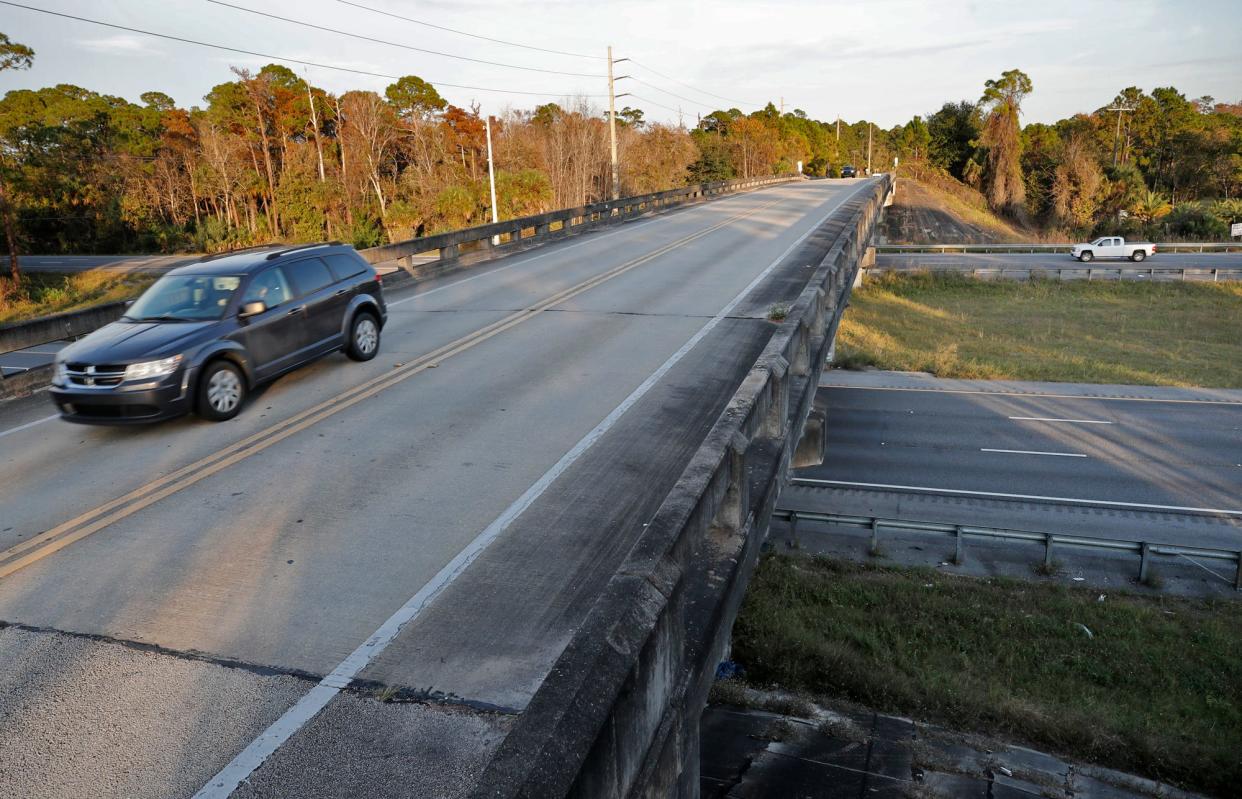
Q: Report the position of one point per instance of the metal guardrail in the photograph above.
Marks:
(960, 532)
(1166, 273)
(1201, 247)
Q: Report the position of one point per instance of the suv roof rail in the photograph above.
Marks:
(287, 250)
(238, 251)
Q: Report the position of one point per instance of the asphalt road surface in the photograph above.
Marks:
(1126, 462)
(435, 522)
(953, 261)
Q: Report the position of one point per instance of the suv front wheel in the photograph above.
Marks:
(364, 337)
(220, 391)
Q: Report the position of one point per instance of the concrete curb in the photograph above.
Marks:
(617, 715)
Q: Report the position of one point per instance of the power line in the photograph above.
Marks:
(466, 33)
(688, 86)
(653, 102)
(672, 94)
(398, 44)
(277, 57)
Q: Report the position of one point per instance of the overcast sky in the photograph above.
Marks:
(881, 59)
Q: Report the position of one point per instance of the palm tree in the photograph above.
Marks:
(1151, 206)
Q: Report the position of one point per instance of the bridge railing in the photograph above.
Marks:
(478, 242)
(1200, 247)
(618, 714)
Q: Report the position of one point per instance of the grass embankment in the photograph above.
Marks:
(1176, 334)
(44, 293)
(1155, 690)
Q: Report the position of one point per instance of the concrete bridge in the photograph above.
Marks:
(501, 560)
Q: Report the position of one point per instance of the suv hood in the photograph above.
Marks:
(131, 342)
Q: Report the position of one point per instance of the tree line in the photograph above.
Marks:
(1155, 165)
(271, 157)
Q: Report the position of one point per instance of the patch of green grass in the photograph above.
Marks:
(43, 293)
(1176, 334)
(1155, 690)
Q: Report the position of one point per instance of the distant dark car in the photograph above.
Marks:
(849, 172)
(203, 335)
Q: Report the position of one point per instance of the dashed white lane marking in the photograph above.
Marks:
(1073, 500)
(28, 425)
(1071, 421)
(261, 748)
(1033, 452)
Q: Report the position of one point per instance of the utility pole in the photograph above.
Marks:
(782, 106)
(491, 175)
(869, 148)
(612, 129)
(1120, 109)
(838, 128)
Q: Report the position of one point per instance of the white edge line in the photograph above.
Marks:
(28, 425)
(1033, 452)
(1075, 500)
(229, 778)
(1043, 419)
(1033, 396)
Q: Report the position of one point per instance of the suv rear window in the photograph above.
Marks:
(308, 275)
(344, 266)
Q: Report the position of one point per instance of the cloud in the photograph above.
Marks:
(121, 44)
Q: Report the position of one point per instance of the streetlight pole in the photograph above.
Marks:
(869, 148)
(612, 129)
(491, 175)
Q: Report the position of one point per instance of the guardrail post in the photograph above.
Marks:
(1048, 541)
(1143, 562)
(1237, 577)
(793, 529)
(448, 253)
(778, 411)
(957, 550)
(875, 534)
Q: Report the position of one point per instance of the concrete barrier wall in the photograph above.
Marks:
(618, 716)
(71, 324)
(471, 245)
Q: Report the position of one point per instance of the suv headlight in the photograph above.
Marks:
(149, 369)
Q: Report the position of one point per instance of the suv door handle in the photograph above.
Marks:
(339, 292)
(296, 310)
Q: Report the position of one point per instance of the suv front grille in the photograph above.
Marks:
(91, 376)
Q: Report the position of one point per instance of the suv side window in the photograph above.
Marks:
(269, 287)
(308, 276)
(345, 266)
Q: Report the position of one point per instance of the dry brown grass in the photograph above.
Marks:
(41, 294)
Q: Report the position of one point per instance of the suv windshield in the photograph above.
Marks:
(184, 298)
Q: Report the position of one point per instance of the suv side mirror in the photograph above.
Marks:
(252, 309)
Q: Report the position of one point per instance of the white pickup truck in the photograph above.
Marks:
(1112, 247)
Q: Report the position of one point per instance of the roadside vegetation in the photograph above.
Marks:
(1175, 334)
(40, 294)
(1154, 688)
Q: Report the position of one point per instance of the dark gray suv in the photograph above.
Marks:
(203, 335)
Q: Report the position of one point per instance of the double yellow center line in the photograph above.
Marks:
(96, 519)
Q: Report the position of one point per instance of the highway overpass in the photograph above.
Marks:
(498, 560)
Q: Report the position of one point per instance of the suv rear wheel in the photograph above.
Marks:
(364, 337)
(221, 391)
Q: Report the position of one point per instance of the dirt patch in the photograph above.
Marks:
(922, 214)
